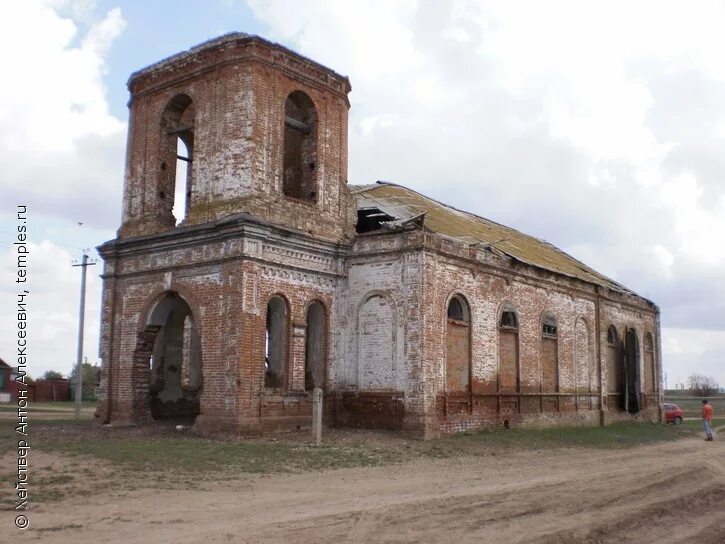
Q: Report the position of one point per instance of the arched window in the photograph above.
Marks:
(176, 154)
(549, 361)
(458, 309)
(458, 346)
(633, 378)
(582, 357)
(300, 147)
(615, 370)
(315, 346)
(275, 353)
(612, 337)
(650, 373)
(509, 320)
(548, 327)
(508, 352)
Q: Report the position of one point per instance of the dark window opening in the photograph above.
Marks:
(457, 309)
(176, 154)
(508, 352)
(509, 320)
(549, 328)
(611, 335)
(458, 346)
(371, 219)
(275, 343)
(632, 377)
(315, 347)
(300, 147)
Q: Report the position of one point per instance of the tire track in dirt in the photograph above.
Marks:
(672, 492)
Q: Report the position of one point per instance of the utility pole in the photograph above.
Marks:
(79, 366)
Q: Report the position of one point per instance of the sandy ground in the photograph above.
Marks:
(670, 492)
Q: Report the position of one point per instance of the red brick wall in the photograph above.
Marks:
(386, 295)
(238, 87)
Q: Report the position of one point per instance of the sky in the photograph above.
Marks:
(599, 127)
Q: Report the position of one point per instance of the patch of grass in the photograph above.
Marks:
(696, 425)
(192, 454)
(692, 406)
(619, 435)
(160, 457)
(50, 406)
(163, 452)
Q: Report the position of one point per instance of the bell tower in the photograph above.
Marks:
(238, 125)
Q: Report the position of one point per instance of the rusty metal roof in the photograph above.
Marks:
(404, 203)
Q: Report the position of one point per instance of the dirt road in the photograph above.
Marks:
(671, 492)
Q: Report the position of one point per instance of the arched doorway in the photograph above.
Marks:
(315, 346)
(175, 363)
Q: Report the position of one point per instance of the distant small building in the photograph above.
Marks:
(50, 390)
(7, 389)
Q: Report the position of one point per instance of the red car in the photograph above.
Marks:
(673, 413)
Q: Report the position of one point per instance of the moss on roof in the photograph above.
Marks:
(403, 203)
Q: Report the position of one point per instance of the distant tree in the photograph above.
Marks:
(703, 386)
(52, 375)
(91, 374)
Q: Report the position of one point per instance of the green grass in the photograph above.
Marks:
(125, 459)
(167, 451)
(696, 425)
(54, 406)
(692, 406)
(620, 435)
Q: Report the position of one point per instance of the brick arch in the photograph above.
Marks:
(458, 356)
(506, 305)
(549, 359)
(615, 368)
(325, 300)
(508, 346)
(363, 378)
(146, 343)
(179, 112)
(316, 349)
(633, 359)
(155, 297)
(582, 354)
(460, 293)
(301, 154)
(547, 312)
(650, 366)
(277, 373)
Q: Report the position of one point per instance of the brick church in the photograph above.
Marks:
(247, 272)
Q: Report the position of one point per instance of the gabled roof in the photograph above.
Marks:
(403, 204)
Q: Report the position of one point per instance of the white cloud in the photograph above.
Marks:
(62, 148)
(597, 127)
(62, 156)
(52, 307)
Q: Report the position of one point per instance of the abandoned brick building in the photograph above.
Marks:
(247, 271)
